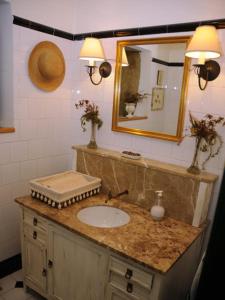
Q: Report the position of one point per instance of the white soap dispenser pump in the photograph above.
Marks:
(157, 210)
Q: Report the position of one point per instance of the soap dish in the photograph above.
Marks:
(63, 189)
(132, 155)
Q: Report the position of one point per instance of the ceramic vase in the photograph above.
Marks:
(194, 167)
(130, 109)
(92, 144)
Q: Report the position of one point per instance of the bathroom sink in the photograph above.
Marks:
(103, 216)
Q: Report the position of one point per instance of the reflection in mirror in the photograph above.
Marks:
(150, 90)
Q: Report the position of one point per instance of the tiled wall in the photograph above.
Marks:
(199, 102)
(57, 13)
(96, 16)
(45, 131)
(47, 125)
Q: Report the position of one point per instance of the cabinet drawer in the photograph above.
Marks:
(129, 287)
(35, 234)
(128, 272)
(116, 294)
(34, 220)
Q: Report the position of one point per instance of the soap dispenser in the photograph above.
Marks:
(157, 210)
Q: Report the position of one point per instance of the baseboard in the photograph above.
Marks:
(10, 265)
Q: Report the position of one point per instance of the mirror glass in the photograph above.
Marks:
(150, 87)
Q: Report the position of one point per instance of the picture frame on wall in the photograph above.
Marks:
(159, 80)
(157, 99)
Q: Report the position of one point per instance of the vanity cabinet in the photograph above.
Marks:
(60, 264)
(76, 269)
(34, 254)
(127, 282)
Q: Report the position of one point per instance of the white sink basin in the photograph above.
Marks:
(103, 216)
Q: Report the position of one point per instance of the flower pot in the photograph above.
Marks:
(130, 109)
(194, 167)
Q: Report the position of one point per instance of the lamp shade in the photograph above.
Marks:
(92, 50)
(204, 44)
(124, 58)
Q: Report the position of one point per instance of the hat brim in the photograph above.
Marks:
(36, 77)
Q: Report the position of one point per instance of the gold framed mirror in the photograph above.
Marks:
(150, 88)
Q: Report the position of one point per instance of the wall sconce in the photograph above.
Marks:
(204, 46)
(93, 51)
(124, 59)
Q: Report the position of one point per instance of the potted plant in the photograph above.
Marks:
(91, 113)
(132, 100)
(206, 139)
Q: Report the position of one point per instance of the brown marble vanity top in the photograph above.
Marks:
(157, 245)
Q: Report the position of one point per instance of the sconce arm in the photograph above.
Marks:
(209, 71)
(104, 71)
(202, 88)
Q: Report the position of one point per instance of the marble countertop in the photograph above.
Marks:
(156, 245)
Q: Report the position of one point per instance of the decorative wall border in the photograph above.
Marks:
(169, 28)
(166, 63)
(10, 265)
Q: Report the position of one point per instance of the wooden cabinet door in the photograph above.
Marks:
(34, 264)
(78, 268)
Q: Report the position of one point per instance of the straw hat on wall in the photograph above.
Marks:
(46, 66)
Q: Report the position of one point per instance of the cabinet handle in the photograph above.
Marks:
(35, 221)
(129, 274)
(44, 272)
(129, 287)
(34, 235)
(50, 264)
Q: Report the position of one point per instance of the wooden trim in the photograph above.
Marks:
(126, 119)
(7, 129)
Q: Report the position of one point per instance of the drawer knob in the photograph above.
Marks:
(34, 235)
(35, 221)
(129, 287)
(50, 264)
(129, 274)
(44, 272)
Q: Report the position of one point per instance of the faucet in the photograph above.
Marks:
(110, 195)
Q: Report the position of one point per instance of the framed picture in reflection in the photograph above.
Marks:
(159, 80)
(157, 99)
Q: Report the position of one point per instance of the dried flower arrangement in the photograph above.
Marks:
(207, 138)
(136, 97)
(91, 113)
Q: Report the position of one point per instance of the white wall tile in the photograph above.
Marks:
(19, 151)
(45, 128)
(36, 108)
(28, 129)
(5, 153)
(21, 109)
(28, 169)
(55, 164)
(5, 194)
(35, 149)
(10, 173)
(20, 188)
